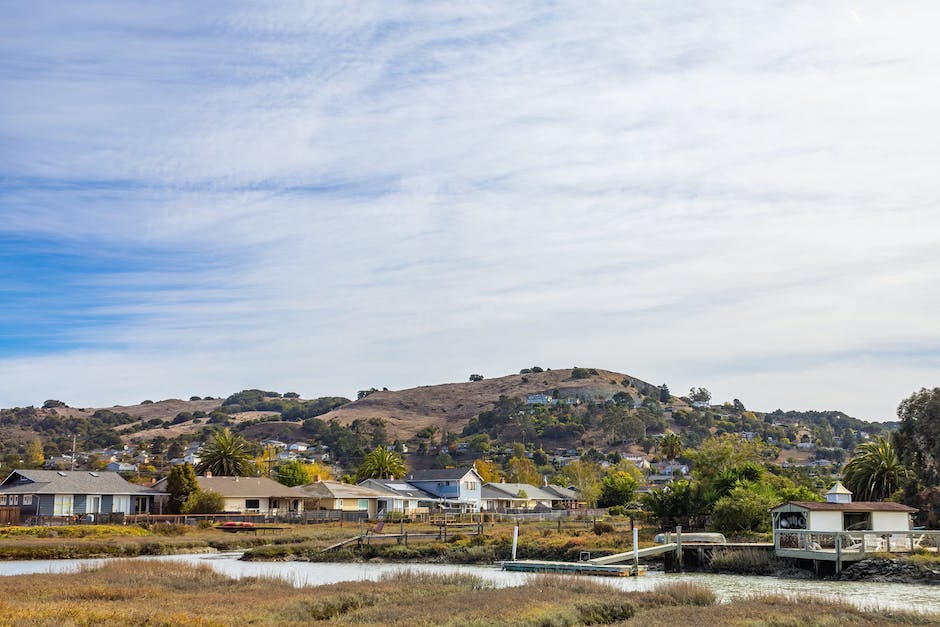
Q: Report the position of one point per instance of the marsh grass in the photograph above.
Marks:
(171, 593)
(744, 562)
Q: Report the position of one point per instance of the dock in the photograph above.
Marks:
(573, 568)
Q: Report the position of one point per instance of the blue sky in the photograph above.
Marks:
(324, 197)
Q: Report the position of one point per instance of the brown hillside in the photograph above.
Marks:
(451, 405)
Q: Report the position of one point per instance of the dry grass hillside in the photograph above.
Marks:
(451, 405)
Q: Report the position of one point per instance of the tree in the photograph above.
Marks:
(522, 470)
(381, 463)
(203, 502)
(476, 377)
(227, 454)
(296, 472)
(664, 394)
(875, 472)
(726, 451)
(916, 437)
(585, 477)
(489, 471)
(180, 483)
(671, 446)
(617, 488)
(700, 395)
(34, 457)
(744, 509)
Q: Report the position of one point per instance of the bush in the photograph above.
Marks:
(601, 527)
(203, 502)
(617, 510)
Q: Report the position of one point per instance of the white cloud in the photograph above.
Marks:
(378, 195)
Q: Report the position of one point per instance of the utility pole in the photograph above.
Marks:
(72, 461)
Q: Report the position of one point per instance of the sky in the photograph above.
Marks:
(199, 198)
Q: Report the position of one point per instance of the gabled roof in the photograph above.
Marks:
(512, 491)
(68, 482)
(561, 492)
(439, 474)
(858, 506)
(339, 490)
(397, 487)
(243, 487)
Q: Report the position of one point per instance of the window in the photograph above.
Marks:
(339, 503)
(363, 504)
(252, 503)
(27, 499)
(62, 505)
(470, 485)
(3, 499)
(14, 499)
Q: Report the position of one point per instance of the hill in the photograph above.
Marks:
(451, 406)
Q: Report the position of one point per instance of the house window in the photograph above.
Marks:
(470, 485)
(252, 503)
(363, 504)
(3, 499)
(27, 499)
(14, 499)
(62, 506)
(339, 503)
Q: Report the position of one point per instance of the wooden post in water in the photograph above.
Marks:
(838, 553)
(636, 552)
(515, 541)
(679, 546)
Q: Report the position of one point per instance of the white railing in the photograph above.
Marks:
(856, 541)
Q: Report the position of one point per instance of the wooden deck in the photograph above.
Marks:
(573, 568)
(851, 546)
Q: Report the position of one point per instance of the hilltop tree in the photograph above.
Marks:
(664, 394)
(381, 463)
(227, 454)
(700, 395)
(875, 472)
(180, 483)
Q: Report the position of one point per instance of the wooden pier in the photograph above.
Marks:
(574, 568)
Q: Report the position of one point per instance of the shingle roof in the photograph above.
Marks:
(68, 482)
(397, 487)
(512, 490)
(562, 492)
(247, 487)
(858, 506)
(339, 490)
(438, 474)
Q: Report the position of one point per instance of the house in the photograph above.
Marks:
(400, 497)
(121, 467)
(564, 497)
(515, 496)
(538, 399)
(73, 493)
(840, 514)
(343, 497)
(453, 487)
(298, 447)
(250, 495)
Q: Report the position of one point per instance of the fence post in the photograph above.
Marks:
(838, 553)
(679, 546)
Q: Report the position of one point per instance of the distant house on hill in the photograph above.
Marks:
(72, 493)
(538, 399)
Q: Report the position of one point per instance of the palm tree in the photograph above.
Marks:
(671, 446)
(227, 455)
(381, 464)
(875, 472)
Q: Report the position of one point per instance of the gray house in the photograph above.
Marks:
(72, 493)
(452, 487)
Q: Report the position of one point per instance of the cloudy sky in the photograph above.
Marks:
(320, 197)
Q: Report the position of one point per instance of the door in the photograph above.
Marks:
(93, 504)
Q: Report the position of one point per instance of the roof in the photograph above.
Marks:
(339, 490)
(439, 474)
(512, 490)
(562, 492)
(397, 487)
(858, 506)
(838, 488)
(244, 487)
(68, 482)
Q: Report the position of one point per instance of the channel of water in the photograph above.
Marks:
(866, 595)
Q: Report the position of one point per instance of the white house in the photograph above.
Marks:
(796, 522)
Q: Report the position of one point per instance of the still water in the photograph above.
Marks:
(727, 587)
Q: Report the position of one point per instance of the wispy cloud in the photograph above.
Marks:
(326, 197)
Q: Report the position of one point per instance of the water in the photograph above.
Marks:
(866, 595)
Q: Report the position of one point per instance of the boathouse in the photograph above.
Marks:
(840, 514)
